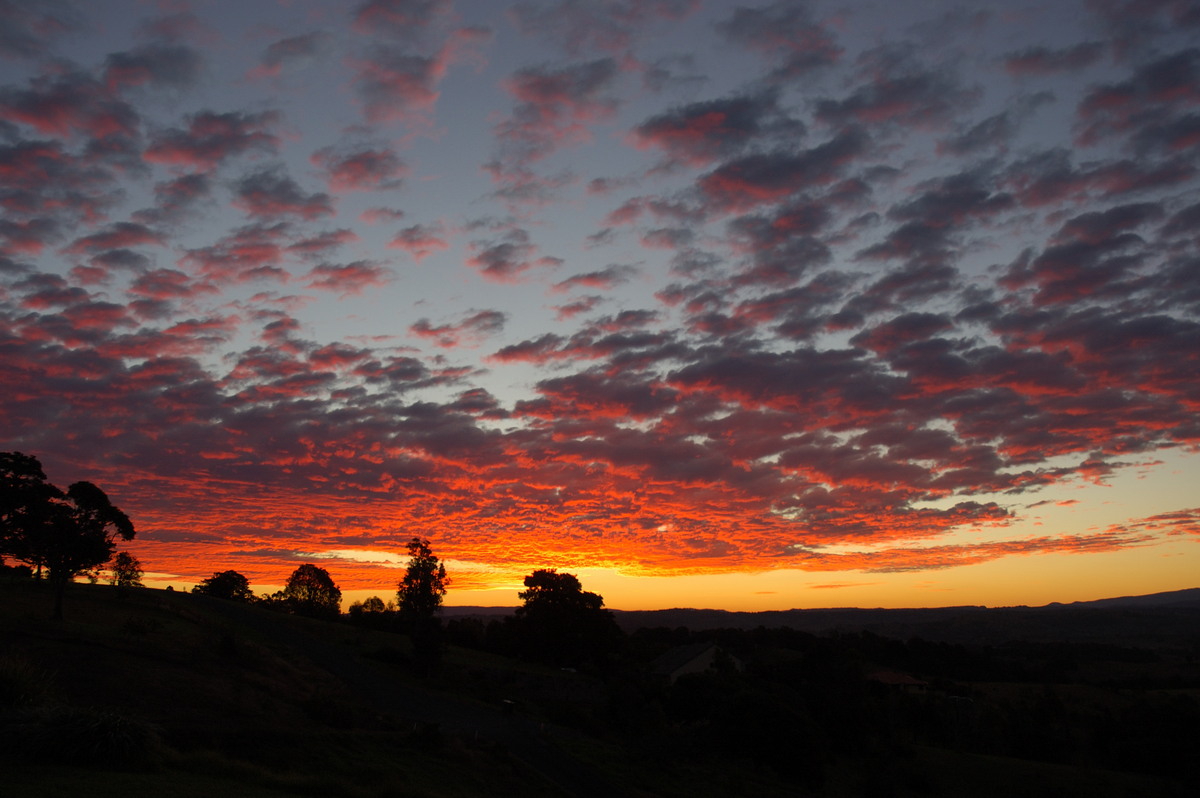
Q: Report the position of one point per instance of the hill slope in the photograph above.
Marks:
(151, 692)
(291, 703)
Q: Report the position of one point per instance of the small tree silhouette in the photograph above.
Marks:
(420, 592)
(419, 596)
(229, 585)
(310, 591)
(126, 571)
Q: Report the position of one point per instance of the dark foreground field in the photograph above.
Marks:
(159, 693)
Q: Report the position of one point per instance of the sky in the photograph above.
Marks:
(752, 306)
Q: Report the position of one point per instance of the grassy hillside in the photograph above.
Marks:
(150, 692)
(177, 694)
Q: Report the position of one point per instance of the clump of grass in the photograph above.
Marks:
(23, 685)
(81, 737)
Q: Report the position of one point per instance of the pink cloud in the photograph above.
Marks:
(270, 193)
(506, 260)
(361, 169)
(420, 241)
(468, 332)
(211, 138)
(349, 278)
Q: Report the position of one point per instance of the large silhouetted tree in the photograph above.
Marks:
(561, 623)
(25, 497)
(61, 534)
(310, 591)
(229, 585)
(419, 597)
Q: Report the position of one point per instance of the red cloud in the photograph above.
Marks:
(607, 278)
(167, 284)
(160, 65)
(377, 215)
(211, 138)
(756, 179)
(579, 306)
(555, 105)
(506, 260)
(120, 234)
(420, 240)
(27, 237)
(364, 169)
(785, 32)
(69, 103)
(1044, 61)
(395, 85)
(609, 25)
(292, 50)
(406, 20)
(349, 278)
(1161, 86)
(249, 253)
(269, 193)
(323, 243)
(469, 331)
(700, 133)
(539, 350)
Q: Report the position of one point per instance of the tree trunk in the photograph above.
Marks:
(60, 587)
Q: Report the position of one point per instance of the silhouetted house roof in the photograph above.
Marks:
(696, 658)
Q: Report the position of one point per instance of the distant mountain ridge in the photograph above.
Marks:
(1171, 598)
(1154, 619)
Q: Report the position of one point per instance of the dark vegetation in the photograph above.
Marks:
(57, 534)
(154, 692)
(144, 691)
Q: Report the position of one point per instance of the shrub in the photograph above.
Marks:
(23, 686)
(81, 737)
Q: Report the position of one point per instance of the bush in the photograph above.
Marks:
(24, 686)
(79, 737)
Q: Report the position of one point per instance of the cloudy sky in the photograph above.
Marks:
(762, 305)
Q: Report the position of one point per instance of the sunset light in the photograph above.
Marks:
(747, 306)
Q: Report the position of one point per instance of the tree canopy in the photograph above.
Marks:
(229, 585)
(424, 583)
(126, 570)
(61, 533)
(310, 591)
(561, 623)
(548, 589)
(419, 597)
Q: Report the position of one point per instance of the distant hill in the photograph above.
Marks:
(1155, 619)
(1172, 598)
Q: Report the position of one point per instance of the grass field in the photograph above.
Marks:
(149, 692)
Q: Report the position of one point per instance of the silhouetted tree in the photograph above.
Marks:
(229, 585)
(373, 613)
(369, 605)
(126, 571)
(25, 496)
(311, 591)
(64, 534)
(419, 596)
(561, 623)
(424, 584)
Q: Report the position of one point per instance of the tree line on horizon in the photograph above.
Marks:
(61, 535)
